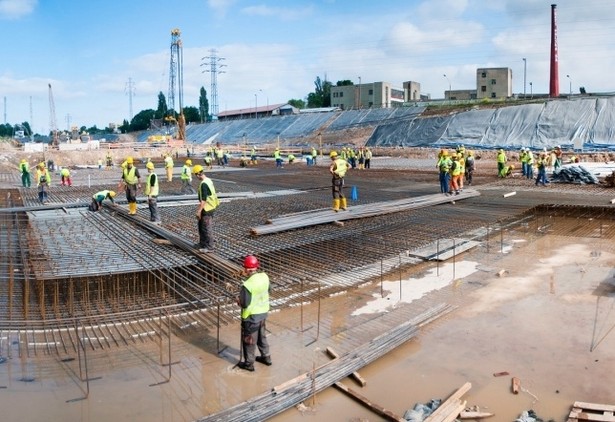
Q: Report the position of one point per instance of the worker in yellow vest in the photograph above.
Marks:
(186, 177)
(168, 167)
(131, 181)
(254, 302)
(338, 169)
(208, 202)
(151, 191)
(43, 181)
(24, 167)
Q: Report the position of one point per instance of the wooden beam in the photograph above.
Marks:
(381, 411)
(443, 411)
(357, 377)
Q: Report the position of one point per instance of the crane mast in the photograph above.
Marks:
(176, 83)
(53, 125)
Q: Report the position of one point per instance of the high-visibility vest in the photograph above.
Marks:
(168, 162)
(130, 176)
(258, 286)
(501, 157)
(100, 196)
(341, 166)
(24, 167)
(149, 189)
(212, 201)
(445, 164)
(65, 172)
(186, 174)
(40, 174)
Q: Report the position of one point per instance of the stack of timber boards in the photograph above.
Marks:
(582, 411)
(316, 217)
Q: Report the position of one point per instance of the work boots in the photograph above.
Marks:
(265, 360)
(132, 208)
(336, 205)
(343, 204)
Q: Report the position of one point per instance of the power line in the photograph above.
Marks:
(214, 69)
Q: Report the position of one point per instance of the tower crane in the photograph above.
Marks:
(176, 82)
(53, 124)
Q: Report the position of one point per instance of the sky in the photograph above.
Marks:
(94, 53)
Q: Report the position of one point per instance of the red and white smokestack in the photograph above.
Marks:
(554, 77)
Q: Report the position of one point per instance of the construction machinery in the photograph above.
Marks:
(53, 125)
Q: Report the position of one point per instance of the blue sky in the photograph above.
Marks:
(89, 49)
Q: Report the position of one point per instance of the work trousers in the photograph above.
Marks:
(169, 171)
(206, 238)
(95, 205)
(254, 334)
(152, 203)
(337, 187)
(131, 193)
(542, 176)
(25, 180)
(469, 174)
(65, 180)
(187, 188)
(445, 180)
(42, 192)
(367, 163)
(529, 171)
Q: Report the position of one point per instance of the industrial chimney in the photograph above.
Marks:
(554, 77)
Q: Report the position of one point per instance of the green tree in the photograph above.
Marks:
(345, 82)
(141, 121)
(321, 97)
(162, 109)
(125, 126)
(203, 106)
(192, 115)
(300, 104)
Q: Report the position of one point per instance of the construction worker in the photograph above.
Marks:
(208, 202)
(444, 166)
(338, 170)
(168, 167)
(291, 158)
(470, 167)
(43, 180)
(501, 160)
(523, 158)
(131, 180)
(151, 191)
(208, 160)
(508, 171)
(462, 167)
(455, 174)
(186, 177)
(254, 302)
(557, 158)
(529, 164)
(542, 164)
(253, 160)
(219, 155)
(65, 177)
(99, 197)
(24, 167)
(368, 158)
(314, 156)
(109, 161)
(361, 158)
(278, 158)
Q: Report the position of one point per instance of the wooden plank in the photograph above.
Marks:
(515, 385)
(594, 406)
(475, 415)
(387, 414)
(357, 377)
(357, 211)
(452, 399)
(583, 416)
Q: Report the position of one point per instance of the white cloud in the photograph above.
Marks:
(285, 14)
(15, 9)
(220, 6)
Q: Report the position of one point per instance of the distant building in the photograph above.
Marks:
(372, 95)
(258, 112)
(412, 91)
(460, 94)
(495, 82)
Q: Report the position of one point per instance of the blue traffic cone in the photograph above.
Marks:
(354, 193)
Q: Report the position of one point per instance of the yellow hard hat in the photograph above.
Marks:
(41, 165)
(512, 167)
(150, 165)
(444, 152)
(333, 154)
(197, 169)
(112, 194)
(188, 162)
(129, 160)
(23, 160)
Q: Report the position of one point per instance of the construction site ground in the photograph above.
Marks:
(535, 298)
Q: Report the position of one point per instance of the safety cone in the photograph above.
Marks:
(354, 193)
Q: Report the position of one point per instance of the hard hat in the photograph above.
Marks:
(23, 160)
(471, 153)
(112, 194)
(41, 165)
(197, 169)
(460, 155)
(129, 160)
(511, 167)
(188, 162)
(333, 154)
(150, 165)
(444, 152)
(501, 150)
(250, 262)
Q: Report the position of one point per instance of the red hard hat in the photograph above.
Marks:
(250, 262)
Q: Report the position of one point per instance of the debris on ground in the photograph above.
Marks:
(529, 416)
(574, 174)
(420, 411)
(582, 411)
